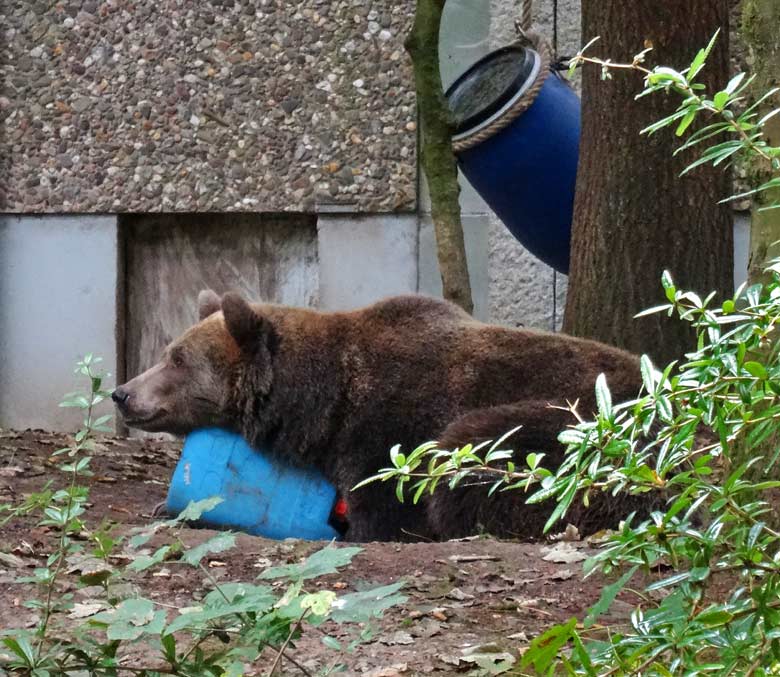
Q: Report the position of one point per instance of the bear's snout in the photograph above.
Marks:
(120, 396)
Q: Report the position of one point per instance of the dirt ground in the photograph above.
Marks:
(465, 597)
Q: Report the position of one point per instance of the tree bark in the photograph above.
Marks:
(634, 216)
(761, 33)
(438, 161)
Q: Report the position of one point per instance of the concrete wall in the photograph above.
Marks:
(57, 302)
(58, 274)
(363, 258)
(206, 106)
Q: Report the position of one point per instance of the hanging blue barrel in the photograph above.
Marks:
(523, 165)
(261, 495)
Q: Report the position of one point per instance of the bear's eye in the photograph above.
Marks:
(178, 359)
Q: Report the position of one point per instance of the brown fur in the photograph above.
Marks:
(338, 390)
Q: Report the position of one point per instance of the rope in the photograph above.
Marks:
(523, 103)
(527, 15)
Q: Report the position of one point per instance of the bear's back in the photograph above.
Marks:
(432, 345)
(400, 311)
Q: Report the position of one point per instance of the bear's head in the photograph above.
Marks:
(194, 384)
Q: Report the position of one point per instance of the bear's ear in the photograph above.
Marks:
(208, 303)
(249, 329)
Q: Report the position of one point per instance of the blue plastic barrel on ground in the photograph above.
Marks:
(261, 495)
(525, 172)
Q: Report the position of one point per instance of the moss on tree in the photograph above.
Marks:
(438, 161)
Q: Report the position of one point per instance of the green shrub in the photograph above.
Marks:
(251, 623)
(703, 432)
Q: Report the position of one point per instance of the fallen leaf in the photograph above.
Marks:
(562, 575)
(85, 609)
(564, 553)
(439, 614)
(449, 660)
(570, 533)
(427, 628)
(493, 583)
(11, 560)
(458, 594)
(600, 537)
(399, 637)
(474, 558)
(390, 671)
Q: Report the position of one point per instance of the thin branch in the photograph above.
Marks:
(287, 641)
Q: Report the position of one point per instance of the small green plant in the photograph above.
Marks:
(237, 624)
(703, 432)
(695, 433)
(729, 135)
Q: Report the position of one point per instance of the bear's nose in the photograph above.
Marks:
(120, 396)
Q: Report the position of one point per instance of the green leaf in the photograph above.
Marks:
(21, 646)
(331, 643)
(652, 311)
(603, 397)
(143, 562)
(195, 509)
(664, 409)
(545, 648)
(361, 607)
(648, 373)
(668, 285)
(714, 618)
(323, 562)
(396, 457)
(663, 75)
(690, 116)
(319, 602)
(219, 543)
(168, 643)
(670, 581)
(697, 63)
(755, 369)
(570, 436)
(720, 100)
(701, 56)
(608, 595)
(228, 602)
(130, 620)
(734, 83)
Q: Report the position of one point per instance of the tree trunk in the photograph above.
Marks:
(634, 216)
(761, 33)
(438, 161)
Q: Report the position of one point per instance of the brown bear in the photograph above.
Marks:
(336, 390)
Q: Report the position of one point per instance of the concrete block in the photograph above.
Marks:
(560, 287)
(57, 302)
(464, 37)
(475, 234)
(521, 286)
(365, 258)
